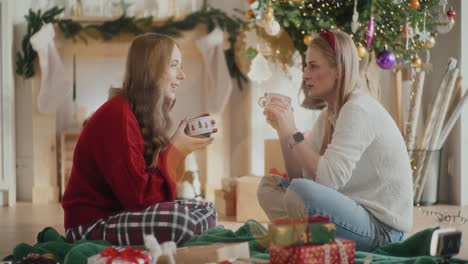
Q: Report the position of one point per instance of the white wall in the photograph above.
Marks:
(7, 105)
(454, 170)
(463, 157)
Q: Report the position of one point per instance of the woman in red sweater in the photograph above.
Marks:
(126, 166)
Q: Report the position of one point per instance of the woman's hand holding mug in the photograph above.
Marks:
(194, 134)
(278, 112)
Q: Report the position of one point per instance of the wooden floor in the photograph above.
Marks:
(22, 222)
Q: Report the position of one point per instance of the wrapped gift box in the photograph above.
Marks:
(212, 253)
(121, 256)
(339, 252)
(225, 202)
(290, 232)
(247, 206)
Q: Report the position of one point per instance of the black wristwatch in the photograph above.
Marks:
(297, 137)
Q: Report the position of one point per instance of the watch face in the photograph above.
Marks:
(298, 137)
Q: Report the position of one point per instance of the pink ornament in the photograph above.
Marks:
(370, 32)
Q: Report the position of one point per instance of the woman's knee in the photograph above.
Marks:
(267, 187)
(295, 204)
(306, 190)
(302, 196)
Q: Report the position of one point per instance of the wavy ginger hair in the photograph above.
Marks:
(345, 58)
(148, 61)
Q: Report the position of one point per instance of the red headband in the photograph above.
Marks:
(329, 37)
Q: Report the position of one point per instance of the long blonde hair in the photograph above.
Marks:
(147, 63)
(344, 57)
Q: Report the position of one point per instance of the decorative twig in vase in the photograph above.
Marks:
(453, 118)
(397, 88)
(415, 106)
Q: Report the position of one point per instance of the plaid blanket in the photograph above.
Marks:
(171, 221)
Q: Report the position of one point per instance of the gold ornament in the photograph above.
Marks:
(307, 39)
(268, 15)
(361, 51)
(416, 61)
(330, 227)
(271, 26)
(429, 43)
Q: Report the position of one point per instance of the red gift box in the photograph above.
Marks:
(339, 252)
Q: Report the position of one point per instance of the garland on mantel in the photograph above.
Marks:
(136, 26)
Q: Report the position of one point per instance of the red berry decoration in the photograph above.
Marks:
(451, 13)
(250, 1)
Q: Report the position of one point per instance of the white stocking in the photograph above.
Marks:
(55, 86)
(219, 84)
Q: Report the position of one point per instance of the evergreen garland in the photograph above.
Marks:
(25, 61)
(107, 30)
(300, 18)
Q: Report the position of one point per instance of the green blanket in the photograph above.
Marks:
(414, 249)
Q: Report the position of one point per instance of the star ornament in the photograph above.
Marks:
(282, 231)
(330, 227)
(423, 35)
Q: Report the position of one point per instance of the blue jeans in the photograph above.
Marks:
(353, 221)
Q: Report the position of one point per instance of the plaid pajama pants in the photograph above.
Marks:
(170, 221)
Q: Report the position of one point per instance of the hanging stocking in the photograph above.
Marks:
(219, 84)
(54, 85)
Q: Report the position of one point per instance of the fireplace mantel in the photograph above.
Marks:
(37, 139)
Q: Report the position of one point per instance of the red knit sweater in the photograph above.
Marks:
(109, 171)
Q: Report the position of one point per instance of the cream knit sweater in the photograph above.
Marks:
(367, 160)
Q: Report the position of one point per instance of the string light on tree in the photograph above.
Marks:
(377, 23)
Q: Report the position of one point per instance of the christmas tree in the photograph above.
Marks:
(405, 27)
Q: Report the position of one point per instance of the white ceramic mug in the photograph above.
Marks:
(200, 126)
(265, 100)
